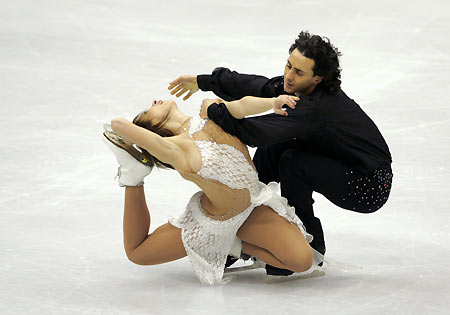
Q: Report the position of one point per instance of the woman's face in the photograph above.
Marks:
(158, 112)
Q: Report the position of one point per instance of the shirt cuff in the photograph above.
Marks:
(204, 82)
(216, 111)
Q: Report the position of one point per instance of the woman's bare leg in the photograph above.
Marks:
(163, 245)
(274, 240)
(263, 255)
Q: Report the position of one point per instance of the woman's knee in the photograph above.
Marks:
(135, 259)
(304, 261)
(293, 250)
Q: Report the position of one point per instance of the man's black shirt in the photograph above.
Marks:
(328, 124)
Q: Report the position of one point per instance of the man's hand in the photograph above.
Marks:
(183, 84)
(205, 104)
(284, 100)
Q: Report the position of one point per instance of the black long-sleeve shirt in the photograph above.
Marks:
(329, 124)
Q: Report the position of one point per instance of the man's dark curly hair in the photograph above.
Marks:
(325, 56)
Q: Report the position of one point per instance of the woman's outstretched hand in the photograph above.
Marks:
(184, 84)
(284, 100)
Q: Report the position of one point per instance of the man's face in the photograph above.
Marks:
(298, 74)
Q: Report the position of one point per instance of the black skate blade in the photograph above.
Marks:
(295, 276)
(255, 265)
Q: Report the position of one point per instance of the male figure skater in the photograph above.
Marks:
(326, 143)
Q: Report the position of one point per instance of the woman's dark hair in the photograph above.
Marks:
(325, 56)
(158, 129)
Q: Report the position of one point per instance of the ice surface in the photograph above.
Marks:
(66, 67)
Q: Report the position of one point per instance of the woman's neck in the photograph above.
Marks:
(175, 121)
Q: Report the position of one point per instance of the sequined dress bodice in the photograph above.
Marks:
(227, 174)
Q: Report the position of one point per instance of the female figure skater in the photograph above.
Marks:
(233, 214)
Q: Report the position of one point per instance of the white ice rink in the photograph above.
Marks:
(66, 67)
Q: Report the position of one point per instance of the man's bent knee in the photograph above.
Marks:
(367, 209)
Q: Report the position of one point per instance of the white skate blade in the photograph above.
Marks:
(256, 265)
(294, 276)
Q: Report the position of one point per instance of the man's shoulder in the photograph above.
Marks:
(277, 83)
(339, 97)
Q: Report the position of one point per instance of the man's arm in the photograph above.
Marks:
(231, 85)
(301, 122)
(228, 85)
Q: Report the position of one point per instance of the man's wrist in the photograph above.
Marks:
(204, 82)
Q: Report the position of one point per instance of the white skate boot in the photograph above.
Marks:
(118, 141)
(133, 167)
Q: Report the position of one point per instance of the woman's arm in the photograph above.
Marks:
(161, 148)
(251, 105)
(304, 121)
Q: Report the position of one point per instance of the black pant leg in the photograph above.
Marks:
(341, 184)
(266, 160)
(296, 181)
(302, 172)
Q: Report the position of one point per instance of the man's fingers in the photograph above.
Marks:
(175, 82)
(280, 112)
(290, 103)
(181, 92)
(178, 88)
(293, 101)
(188, 95)
(173, 88)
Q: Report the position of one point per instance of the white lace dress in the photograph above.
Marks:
(226, 164)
